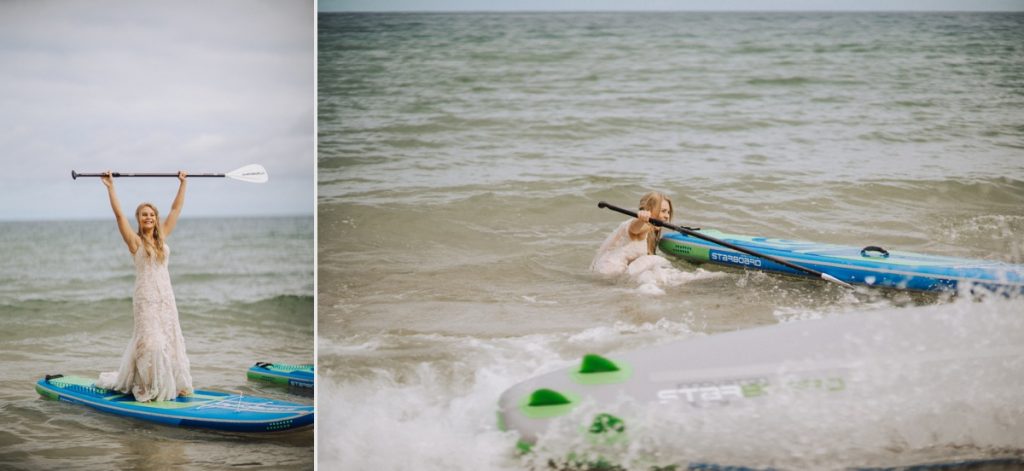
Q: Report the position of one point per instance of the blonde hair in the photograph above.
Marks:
(652, 202)
(156, 247)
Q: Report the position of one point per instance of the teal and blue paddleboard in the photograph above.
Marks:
(300, 376)
(202, 409)
(868, 266)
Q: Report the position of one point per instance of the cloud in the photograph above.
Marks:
(145, 86)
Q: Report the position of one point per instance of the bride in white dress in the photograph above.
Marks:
(155, 366)
(630, 250)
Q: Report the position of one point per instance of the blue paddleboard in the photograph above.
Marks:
(202, 409)
(868, 266)
(300, 376)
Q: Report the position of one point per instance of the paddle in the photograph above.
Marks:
(657, 222)
(250, 173)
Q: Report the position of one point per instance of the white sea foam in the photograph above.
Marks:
(441, 413)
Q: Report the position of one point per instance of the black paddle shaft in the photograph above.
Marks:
(75, 175)
(660, 223)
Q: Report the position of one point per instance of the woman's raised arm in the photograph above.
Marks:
(131, 239)
(179, 201)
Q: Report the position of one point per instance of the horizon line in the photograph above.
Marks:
(183, 218)
(674, 11)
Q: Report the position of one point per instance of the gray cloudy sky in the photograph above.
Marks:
(155, 86)
(668, 5)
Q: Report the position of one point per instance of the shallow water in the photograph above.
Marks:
(244, 291)
(462, 156)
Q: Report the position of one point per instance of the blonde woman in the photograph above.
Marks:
(155, 366)
(626, 249)
(630, 251)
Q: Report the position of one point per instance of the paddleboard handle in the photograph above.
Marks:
(874, 248)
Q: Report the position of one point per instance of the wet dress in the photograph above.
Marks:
(154, 366)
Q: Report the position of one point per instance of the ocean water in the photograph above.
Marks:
(244, 291)
(461, 158)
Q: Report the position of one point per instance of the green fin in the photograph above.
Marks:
(547, 397)
(597, 364)
(596, 369)
(501, 422)
(547, 403)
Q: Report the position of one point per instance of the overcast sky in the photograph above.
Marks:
(669, 5)
(202, 86)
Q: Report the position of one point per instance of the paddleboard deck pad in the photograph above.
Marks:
(202, 409)
(299, 376)
(867, 266)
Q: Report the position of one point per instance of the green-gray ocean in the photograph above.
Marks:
(461, 158)
(244, 291)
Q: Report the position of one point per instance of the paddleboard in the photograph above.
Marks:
(202, 409)
(831, 369)
(867, 266)
(300, 376)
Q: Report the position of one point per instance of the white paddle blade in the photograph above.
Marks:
(250, 173)
(827, 277)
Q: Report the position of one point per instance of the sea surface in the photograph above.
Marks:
(244, 291)
(461, 158)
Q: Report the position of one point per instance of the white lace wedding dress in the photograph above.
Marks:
(621, 256)
(154, 367)
(618, 251)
